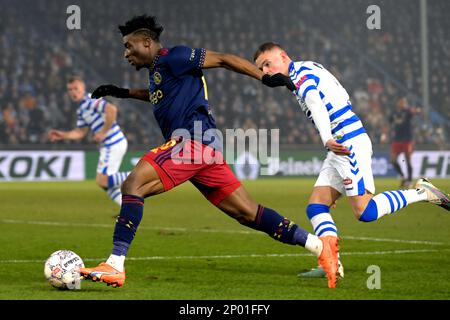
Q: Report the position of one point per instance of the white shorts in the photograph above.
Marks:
(111, 158)
(350, 175)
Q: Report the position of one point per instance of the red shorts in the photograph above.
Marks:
(179, 161)
(402, 147)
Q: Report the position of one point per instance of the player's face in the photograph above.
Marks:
(273, 61)
(76, 90)
(137, 51)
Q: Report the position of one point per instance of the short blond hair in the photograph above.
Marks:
(266, 47)
(74, 78)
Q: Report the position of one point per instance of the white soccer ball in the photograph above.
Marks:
(62, 269)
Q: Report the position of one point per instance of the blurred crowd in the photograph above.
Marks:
(375, 66)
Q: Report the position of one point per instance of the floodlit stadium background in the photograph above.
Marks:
(375, 66)
(186, 249)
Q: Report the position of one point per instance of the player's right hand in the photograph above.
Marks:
(337, 148)
(110, 90)
(55, 135)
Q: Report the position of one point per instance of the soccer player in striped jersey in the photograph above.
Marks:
(347, 168)
(98, 116)
(177, 91)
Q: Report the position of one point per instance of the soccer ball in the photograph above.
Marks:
(62, 269)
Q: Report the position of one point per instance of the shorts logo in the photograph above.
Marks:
(347, 181)
(157, 78)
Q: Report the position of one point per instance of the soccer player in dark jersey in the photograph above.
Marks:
(177, 90)
(402, 138)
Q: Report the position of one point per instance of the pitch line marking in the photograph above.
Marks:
(240, 256)
(98, 225)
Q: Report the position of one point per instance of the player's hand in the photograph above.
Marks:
(99, 136)
(278, 80)
(55, 135)
(110, 90)
(337, 148)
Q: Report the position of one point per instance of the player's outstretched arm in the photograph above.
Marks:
(240, 65)
(231, 62)
(140, 94)
(123, 93)
(75, 134)
(110, 90)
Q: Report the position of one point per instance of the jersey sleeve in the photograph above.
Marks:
(319, 115)
(307, 91)
(306, 83)
(184, 59)
(99, 105)
(81, 123)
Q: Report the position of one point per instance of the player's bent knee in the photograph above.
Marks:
(102, 181)
(129, 186)
(369, 214)
(358, 211)
(141, 188)
(357, 214)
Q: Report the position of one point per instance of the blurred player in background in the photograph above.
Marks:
(179, 96)
(347, 168)
(100, 117)
(401, 129)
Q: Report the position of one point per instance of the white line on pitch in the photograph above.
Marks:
(243, 256)
(97, 225)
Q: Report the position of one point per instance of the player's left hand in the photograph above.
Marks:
(337, 148)
(110, 90)
(99, 136)
(278, 80)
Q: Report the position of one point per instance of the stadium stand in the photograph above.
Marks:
(376, 66)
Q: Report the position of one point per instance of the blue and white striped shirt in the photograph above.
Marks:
(311, 78)
(91, 113)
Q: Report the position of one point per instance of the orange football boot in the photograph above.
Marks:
(104, 273)
(329, 259)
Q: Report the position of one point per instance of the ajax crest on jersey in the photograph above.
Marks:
(62, 269)
(157, 78)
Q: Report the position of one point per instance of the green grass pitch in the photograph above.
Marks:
(187, 249)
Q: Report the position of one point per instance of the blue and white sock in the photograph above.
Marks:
(116, 179)
(391, 201)
(115, 194)
(321, 220)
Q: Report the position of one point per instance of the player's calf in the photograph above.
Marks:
(385, 203)
(102, 180)
(321, 220)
